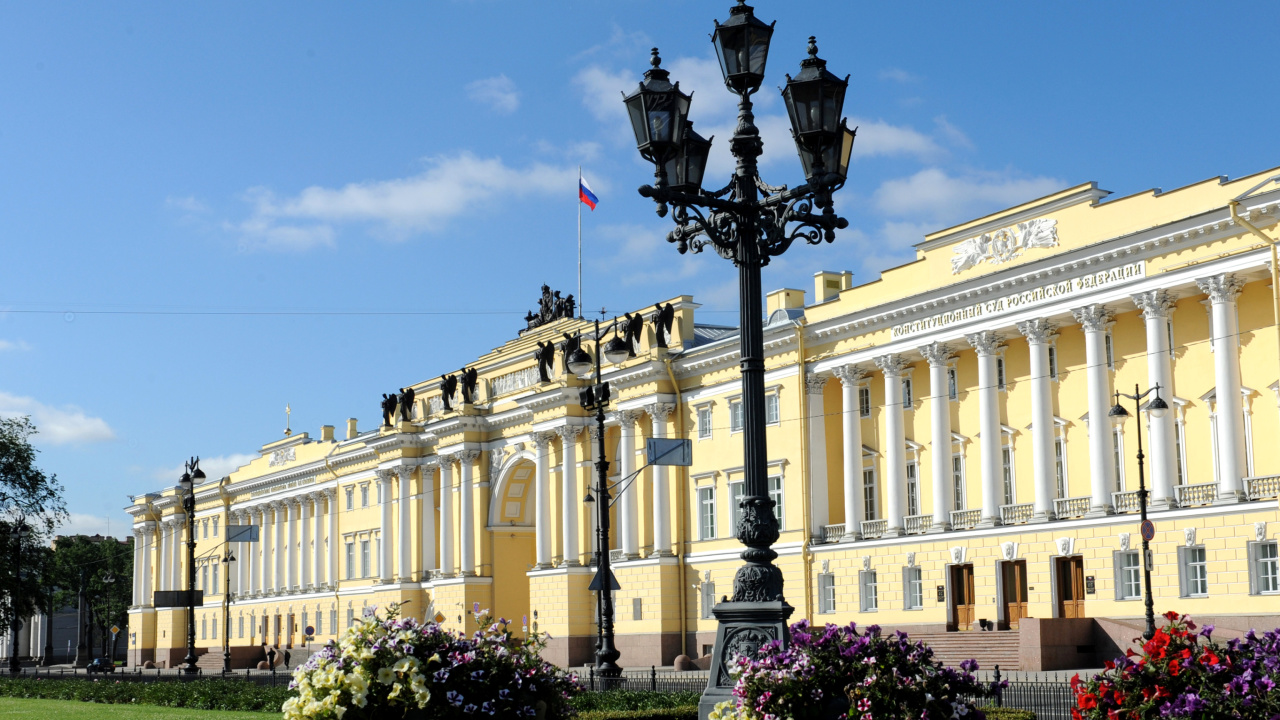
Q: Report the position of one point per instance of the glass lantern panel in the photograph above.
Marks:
(636, 111)
(759, 50)
(659, 126)
(832, 100)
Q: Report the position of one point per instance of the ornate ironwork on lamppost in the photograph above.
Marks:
(748, 228)
(1156, 408)
(186, 485)
(596, 397)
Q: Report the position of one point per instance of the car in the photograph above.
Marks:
(100, 665)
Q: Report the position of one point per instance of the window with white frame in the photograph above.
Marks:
(1180, 450)
(735, 416)
(364, 495)
(240, 627)
(214, 628)
(771, 416)
(913, 489)
(1117, 452)
(377, 550)
(379, 492)
(1006, 471)
(1053, 364)
(1000, 385)
(351, 560)
(708, 591)
(253, 625)
(912, 588)
(333, 620)
(775, 494)
(1168, 327)
(351, 617)
(907, 397)
(869, 493)
(864, 401)
(204, 628)
(213, 589)
(351, 498)
(204, 579)
(1060, 465)
(1111, 352)
(957, 481)
(826, 593)
(364, 558)
(1264, 571)
(319, 622)
(305, 618)
(868, 600)
(953, 388)
(216, 522)
(706, 513)
(1128, 575)
(704, 422)
(736, 492)
(1193, 571)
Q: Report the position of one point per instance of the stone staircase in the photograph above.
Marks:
(988, 648)
(210, 661)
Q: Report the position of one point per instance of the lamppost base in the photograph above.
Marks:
(743, 628)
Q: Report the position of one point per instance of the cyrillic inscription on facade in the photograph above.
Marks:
(282, 486)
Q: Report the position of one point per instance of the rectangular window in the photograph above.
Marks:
(1060, 466)
(351, 498)
(706, 513)
(351, 560)
(305, 624)
(957, 482)
(953, 390)
(364, 558)
(333, 621)
(319, 623)
(704, 423)
(351, 617)
(1053, 363)
(1000, 374)
(1168, 326)
(906, 394)
(1193, 571)
(1117, 452)
(735, 415)
(1266, 567)
(377, 552)
(214, 588)
(1111, 353)
(379, 492)
(913, 588)
(1180, 459)
(240, 628)
(204, 528)
(216, 522)
(204, 628)
(869, 493)
(215, 628)
(1128, 576)
(708, 599)
(204, 579)
(868, 600)
(775, 494)
(826, 593)
(253, 627)
(364, 496)
(864, 401)
(771, 415)
(1006, 460)
(735, 496)
(913, 489)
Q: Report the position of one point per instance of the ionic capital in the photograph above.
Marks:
(1222, 288)
(1154, 303)
(1093, 318)
(891, 365)
(936, 353)
(850, 375)
(986, 342)
(1038, 331)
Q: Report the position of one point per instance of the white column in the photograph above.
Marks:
(139, 566)
(987, 343)
(149, 563)
(467, 539)
(819, 513)
(542, 498)
(658, 413)
(447, 492)
(291, 554)
(163, 573)
(1156, 306)
(331, 499)
(1223, 291)
(281, 514)
(317, 537)
(1039, 334)
(403, 536)
(176, 527)
(570, 506)
(427, 474)
(628, 510)
(244, 557)
(304, 541)
(851, 378)
(895, 450)
(939, 356)
(384, 546)
(1102, 470)
(262, 554)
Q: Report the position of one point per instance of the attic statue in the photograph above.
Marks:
(469, 380)
(662, 321)
(448, 387)
(546, 357)
(406, 404)
(632, 329)
(388, 409)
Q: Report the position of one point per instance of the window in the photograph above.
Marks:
(1265, 573)
(1000, 374)
(912, 588)
(380, 485)
(736, 492)
(351, 617)
(351, 498)
(1193, 572)
(706, 513)
(708, 599)
(240, 629)
(864, 401)
(305, 624)
(704, 423)
(1060, 465)
(364, 558)
(868, 601)
(204, 579)
(826, 593)
(953, 389)
(252, 626)
(214, 635)
(771, 409)
(775, 494)
(351, 560)
(913, 489)
(1111, 353)
(364, 495)
(204, 528)
(333, 621)
(377, 554)
(869, 493)
(957, 482)
(1179, 443)
(319, 623)
(1128, 575)
(906, 394)
(1053, 363)
(1168, 326)
(1006, 461)
(214, 588)
(1117, 452)
(735, 416)
(637, 608)
(216, 522)
(204, 628)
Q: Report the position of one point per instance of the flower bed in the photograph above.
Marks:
(1182, 673)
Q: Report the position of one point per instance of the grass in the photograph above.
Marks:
(25, 709)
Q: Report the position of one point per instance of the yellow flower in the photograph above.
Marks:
(386, 675)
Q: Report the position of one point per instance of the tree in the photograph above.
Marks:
(104, 566)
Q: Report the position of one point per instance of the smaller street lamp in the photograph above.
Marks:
(186, 486)
(1156, 408)
(227, 559)
(19, 534)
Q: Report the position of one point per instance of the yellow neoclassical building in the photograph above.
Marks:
(938, 442)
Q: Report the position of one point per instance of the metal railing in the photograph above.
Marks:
(281, 676)
(1262, 487)
(1072, 506)
(1016, 514)
(874, 528)
(1201, 494)
(917, 524)
(652, 679)
(966, 519)
(832, 533)
(1127, 502)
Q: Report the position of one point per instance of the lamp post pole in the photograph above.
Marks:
(227, 559)
(1156, 408)
(187, 485)
(82, 643)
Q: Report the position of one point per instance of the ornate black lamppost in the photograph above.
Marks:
(19, 534)
(747, 229)
(227, 559)
(1156, 408)
(596, 398)
(186, 485)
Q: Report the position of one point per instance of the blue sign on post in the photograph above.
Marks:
(1148, 530)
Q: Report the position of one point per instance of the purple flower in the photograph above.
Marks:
(454, 698)
(487, 707)
(470, 709)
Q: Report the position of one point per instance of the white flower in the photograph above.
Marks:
(386, 675)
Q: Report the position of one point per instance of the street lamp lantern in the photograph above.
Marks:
(815, 101)
(658, 110)
(615, 351)
(742, 47)
(1157, 408)
(1118, 415)
(685, 169)
(579, 362)
(835, 157)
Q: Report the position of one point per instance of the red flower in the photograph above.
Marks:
(1175, 667)
(1088, 701)
(1208, 658)
(1075, 683)
(1171, 616)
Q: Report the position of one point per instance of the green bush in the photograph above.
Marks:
(686, 712)
(632, 700)
(197, 694)
(999, 713)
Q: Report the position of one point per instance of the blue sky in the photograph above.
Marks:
(210, 210)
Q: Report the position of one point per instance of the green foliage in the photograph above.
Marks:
(14, 709)
(77, 559)
(197, 694)
(685, 712)
(614, 700)
(30, 501)
(999, 713)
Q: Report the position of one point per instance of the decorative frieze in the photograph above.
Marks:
(1004, 244)
(280, 457)
(514, 381)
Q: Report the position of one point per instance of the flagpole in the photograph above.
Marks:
(579, 204)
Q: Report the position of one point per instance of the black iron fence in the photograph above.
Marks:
(651, 679)
(261, 677)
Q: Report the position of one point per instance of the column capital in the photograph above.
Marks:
(541, 438)
(814, 383)
(1154, 303)
(627, 417)
(986, 342)
(330, 493)
(569, 433)
(660, 411)
(1094, 318)
(385, 474)
(404, 471)
(1038, 331)
(936, 353)
(1222, 288)
(467, 456)
(594, 431)
(850, 374)
(891, 365)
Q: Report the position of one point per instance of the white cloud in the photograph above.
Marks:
(644, 255)
(602, 94)
(66, 425)
(945, 199)
(84, 524)
(14, 345)
(189, 204)
(879, 138)
(497, 92)
(451, 186)
(953, 134)
(898, 75)
(215, 467)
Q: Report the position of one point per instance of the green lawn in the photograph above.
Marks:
(24, 709)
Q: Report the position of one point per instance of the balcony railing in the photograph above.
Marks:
(1202, 494)
(966, 519)
(1072, 506)
(1127, 502)
(1260, 488)
(832, 533)
(917, 524)
(874, 528)
(617, 556)
(1016, 514)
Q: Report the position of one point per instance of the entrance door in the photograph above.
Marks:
(962, 600)
(277, 633)
(1014, 577)
(1070, 576)
(291, 629)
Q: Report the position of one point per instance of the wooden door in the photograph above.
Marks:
(1070, 576)
(1014, 588)
(962, 600)
(290, 629)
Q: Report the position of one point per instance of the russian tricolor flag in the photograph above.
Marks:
(585, 194)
